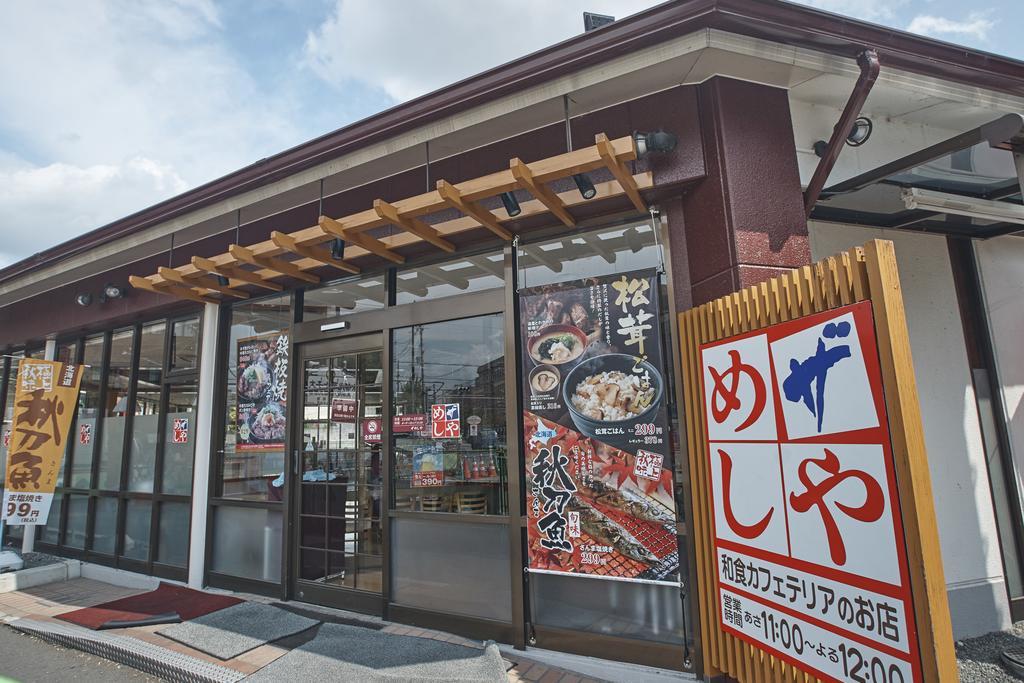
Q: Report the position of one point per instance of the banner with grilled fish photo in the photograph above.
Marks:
(595, 424)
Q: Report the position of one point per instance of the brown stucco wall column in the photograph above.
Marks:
(745, 222)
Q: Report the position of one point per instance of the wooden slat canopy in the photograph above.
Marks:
(293, 255)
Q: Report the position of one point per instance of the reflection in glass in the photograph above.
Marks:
(145, 423)
(340, 525)
(51, 532)
(78, 508)
(8, 416)
(83, 433)
(185, 345)
(136, 529)
(342, 298)
(459, 276)
(255, 474)
(590, 254)
(460, 364)
(115, 411)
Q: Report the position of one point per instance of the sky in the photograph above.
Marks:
(109, 106)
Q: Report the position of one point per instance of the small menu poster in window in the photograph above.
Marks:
(262, 392)
(428, 465)
(599, 489)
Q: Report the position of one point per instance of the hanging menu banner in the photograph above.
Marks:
(44, 401)
(597, 453)
(262, 392)
(809, 544)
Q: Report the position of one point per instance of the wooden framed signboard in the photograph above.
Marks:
(817, 550)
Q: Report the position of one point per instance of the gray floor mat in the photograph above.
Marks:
(235, 630)
(351, 653)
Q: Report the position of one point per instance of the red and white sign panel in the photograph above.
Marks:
(373, 430)
(809, 544)
(444, 421)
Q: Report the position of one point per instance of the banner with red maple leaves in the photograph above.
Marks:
(596, 437)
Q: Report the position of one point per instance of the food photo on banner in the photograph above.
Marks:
(44, 402)
(262, 392)
(595, 425)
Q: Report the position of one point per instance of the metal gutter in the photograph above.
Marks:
(769, 19)
(869, 68)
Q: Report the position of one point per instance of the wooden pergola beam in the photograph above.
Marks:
(618, 169)
(371, 244)
(168, 289)
(211, 266)
(414, 225)
(526, 180)
(283, 267)
(454, 199)
(289, 244)
(205, 281)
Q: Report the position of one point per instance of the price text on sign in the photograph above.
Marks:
(44, 400)
(809, 542)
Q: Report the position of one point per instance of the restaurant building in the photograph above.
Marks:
(267, 353)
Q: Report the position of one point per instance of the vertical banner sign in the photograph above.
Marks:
(44, 401)
(809, 543)
(598, 461)
(262, 392)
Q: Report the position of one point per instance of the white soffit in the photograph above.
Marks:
(810, 76)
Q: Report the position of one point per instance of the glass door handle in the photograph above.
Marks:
(295, 461)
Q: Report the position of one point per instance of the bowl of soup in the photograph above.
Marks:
(557, 345)
(544, 380)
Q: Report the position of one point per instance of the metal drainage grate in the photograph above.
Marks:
(138, 654)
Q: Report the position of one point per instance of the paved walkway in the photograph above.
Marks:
(44, 603)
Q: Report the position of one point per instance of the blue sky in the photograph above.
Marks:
(108, 106)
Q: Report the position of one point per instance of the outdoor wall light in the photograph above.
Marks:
(111, 291)
(511, 204)
(84, 299)
(338, 249)
(658, 141)
(585, 185)
(860, 132)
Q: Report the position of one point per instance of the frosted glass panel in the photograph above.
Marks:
(449, 567)
(74, 535)
(136, 529)
(172, 547)
(247, 543)
(104, 533)
(143, 451)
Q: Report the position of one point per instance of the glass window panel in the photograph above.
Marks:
(458, 276)
(247, 543)
(78, 510)
(458, 363)
(618, 608)
(172, 546)
(51, 532)
(601, 252)
(179, 439)
(472, 558)
(8, 416)
(136, 529)
(115, 411)
(146, 421)
(83, 435)
(185, 345)
(251, 474)
(104, 532)
(342, 298)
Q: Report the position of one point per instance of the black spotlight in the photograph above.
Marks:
(338, 249)
(860, 132)
(511, 204)
(223, 281)
(84, 299)
(658, 141)
(585, 185)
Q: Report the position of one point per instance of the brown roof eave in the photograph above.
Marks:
(768, 19)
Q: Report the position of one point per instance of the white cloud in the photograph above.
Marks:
(868, 10)
(106, 108)
(977, 25)
(411, 48)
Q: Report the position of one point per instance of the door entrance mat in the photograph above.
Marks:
(152, 659)
(328, 618)
(351, 653)
(188, 604)
(238, 629)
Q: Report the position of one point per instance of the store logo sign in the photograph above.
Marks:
(444, 421)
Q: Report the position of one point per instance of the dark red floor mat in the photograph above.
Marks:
(188, 603)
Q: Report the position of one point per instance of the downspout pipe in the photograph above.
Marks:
(869, 68)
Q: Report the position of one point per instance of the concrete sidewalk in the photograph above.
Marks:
(43, 603)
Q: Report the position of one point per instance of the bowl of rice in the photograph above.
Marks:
(612, 391)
